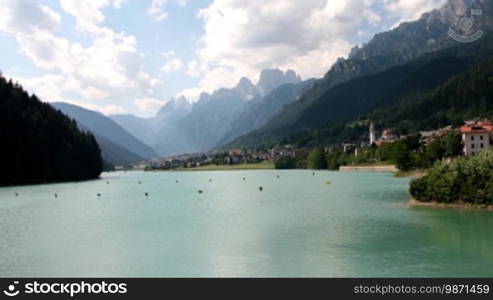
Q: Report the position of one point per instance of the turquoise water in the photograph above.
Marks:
(359, 226)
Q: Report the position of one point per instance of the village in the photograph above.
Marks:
(476, 136)
(231, 157)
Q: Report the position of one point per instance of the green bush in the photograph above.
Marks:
(466, 179)
(286, 163)
(317, 159)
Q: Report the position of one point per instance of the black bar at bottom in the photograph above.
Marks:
(114, 288)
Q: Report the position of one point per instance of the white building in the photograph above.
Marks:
(476, 137)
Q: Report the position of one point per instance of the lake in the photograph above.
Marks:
(298, 226)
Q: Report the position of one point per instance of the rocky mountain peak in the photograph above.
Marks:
(272, 78)
(247, 89)
(173, 106)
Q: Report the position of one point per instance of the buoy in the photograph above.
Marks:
(56, 195)
(328, 182)
(244, 178)
(261, 189)
(201, 192)
(99, 195)
(278, 176)
(16, 194)
(177, 181)
(313, 173)
(147, 194)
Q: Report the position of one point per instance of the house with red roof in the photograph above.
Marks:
(476, 136)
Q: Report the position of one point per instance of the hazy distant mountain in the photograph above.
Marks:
(181, 127)
(103, 126)
(172, 111)
(396, 47)
(271, 79)
(213, 118)
(112, 153)
(138, 127)
(260, 111)
(154, 131)
(115, 154)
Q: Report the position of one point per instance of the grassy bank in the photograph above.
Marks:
(412, 174)
(457, 205)
(373, 164)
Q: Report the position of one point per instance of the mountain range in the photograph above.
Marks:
(349, 87)
(403, 98)
(117, 145)
(414, 58)
(180, 127)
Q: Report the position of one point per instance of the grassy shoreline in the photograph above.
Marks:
(412, 174)
(456, 206)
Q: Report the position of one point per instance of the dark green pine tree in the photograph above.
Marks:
(40, 144)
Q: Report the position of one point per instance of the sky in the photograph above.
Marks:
(131, 56)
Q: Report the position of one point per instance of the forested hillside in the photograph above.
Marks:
(40, 144)
(466, 96)
(463, 97)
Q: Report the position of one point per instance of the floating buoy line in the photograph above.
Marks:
(260, 188)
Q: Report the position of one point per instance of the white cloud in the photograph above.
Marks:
(149, 105)
(157, 10)
(191, 94)
(193, 68)
(243, 37)
(50, 88)
(173, 65)
(27, 17)
(109, 67)
(88, 12)
(408, 10)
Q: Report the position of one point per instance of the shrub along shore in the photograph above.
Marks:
(465, 182)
